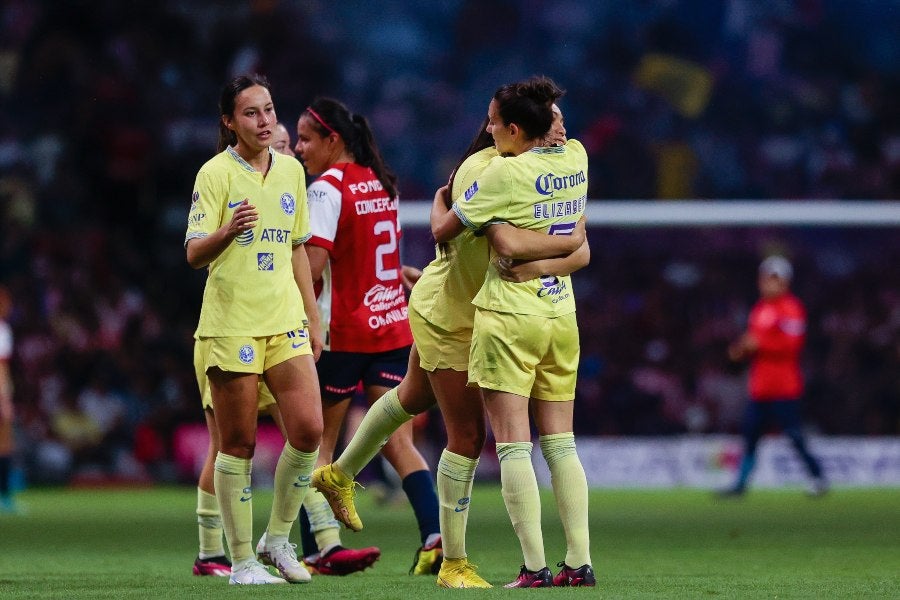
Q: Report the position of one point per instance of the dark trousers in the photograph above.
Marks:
(786, 413)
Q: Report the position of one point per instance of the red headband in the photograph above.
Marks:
(321, 120)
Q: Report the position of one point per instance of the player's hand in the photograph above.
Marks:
(409, 275)
(243, 219)
(579, 234)
(7, 411)
(316, 339)
(443, 195)
(517, 271)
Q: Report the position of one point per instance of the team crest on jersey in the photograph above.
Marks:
(288, 205)
(195, 197)
(245, 239)
(265, 261)
(246, 354)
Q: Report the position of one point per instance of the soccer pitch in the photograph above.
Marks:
(141, 543)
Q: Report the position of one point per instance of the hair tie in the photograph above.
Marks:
(321, 120)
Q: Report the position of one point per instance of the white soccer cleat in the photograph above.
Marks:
(252, 572)
(283, 556)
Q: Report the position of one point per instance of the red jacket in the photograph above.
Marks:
(779, 327)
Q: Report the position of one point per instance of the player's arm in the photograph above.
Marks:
(318, 258)
(303, 277)
(525, 244)
(445, 223)
(203, 250)
(743, 348)
(409, 275)
(6, 404)
(519, 271)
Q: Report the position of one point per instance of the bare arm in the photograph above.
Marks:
(6, 404)
(519, 271)
(318, 258)
(202, 251)
(524, 244)
(409, 275)
(303, 277)
(445, 225)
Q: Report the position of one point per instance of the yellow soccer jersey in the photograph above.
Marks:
(250, 290)
(443, 295)
(544, 189)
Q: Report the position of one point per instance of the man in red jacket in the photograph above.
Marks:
(773, 341)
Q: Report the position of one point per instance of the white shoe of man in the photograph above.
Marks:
(251, 572)
(282, 555)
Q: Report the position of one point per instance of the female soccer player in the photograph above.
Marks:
(442, 317)
(524, 353)
(211, 559)
(354, 255)
(248, 223)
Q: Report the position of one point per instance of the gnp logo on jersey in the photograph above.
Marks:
(265, 261)
(547, 183)
(288, 205)
(245, 239)
(246, 354)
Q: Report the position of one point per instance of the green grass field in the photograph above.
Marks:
(141, 543)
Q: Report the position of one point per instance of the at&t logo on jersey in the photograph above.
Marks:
(265, 261)
(552, 287)
(547, 183)
(246, 354)
(245, 239)
(288, 205)
(272, 234)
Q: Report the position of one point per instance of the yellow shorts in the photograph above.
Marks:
(535, 357)
(265, 396)
(439, 348)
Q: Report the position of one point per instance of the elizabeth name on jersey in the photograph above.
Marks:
(362, 301)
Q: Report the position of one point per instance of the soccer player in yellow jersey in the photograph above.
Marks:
(524, 353)
(441, 316)
(248, 222)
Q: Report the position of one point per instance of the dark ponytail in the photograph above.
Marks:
(482, 140)
(528, 104)
(227, 101)
(331, 116)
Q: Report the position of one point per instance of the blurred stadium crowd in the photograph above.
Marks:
(109, 109)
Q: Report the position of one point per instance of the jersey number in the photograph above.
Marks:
(386, 249)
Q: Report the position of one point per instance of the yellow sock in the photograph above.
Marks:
(291, 485)
(232, 481)
(209, 524)
(571, 491)
(382, 419)
(322, 523)
(455, 474)
(523, 501)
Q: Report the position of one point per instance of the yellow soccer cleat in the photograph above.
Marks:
(339, 490)
(428, 559)
(459, 573)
